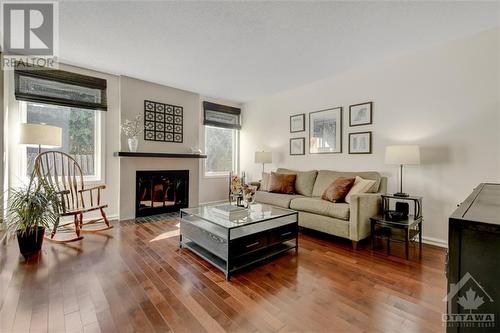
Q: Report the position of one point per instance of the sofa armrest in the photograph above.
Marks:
(362, 207)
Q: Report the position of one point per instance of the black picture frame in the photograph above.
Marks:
(340, 129)
(370, 104)
(301, 115)
(370, 145)
(303, 139)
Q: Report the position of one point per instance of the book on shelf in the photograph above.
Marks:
(229, 211)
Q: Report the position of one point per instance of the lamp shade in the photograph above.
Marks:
(402, 154)
(40, 134)
(263, 157)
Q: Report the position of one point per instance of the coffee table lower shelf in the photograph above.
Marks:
(241, 262)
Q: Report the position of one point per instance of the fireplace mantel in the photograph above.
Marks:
(160, 155)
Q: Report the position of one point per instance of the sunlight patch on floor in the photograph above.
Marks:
(168, 234)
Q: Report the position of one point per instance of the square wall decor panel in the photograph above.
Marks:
(163, 122)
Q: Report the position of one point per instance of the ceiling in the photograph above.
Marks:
(243, 50)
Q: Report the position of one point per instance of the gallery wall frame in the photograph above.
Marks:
(297, 146)
(360, 142)
(361, 114)
(325, 131)
(298, 123)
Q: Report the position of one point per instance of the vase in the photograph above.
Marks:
(132, 144)
(249, 199)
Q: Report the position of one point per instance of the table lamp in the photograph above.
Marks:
(41, 135)
(402, 155)
(263, 157)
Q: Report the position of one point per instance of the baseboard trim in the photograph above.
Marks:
(435, 241)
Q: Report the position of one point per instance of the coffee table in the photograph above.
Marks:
(231, 244)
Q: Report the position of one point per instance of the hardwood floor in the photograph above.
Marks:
(134, 278)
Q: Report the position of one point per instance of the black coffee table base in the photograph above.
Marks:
(230, 250)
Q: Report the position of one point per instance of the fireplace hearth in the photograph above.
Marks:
(160, 192)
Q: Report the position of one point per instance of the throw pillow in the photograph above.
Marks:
(338, 189)
(282, 183)
(360, 186)
(264, 185)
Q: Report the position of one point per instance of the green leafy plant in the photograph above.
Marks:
(33, 206)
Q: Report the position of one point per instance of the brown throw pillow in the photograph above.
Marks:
(338, 189)
(282, 183)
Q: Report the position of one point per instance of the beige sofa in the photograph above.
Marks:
(351, 221)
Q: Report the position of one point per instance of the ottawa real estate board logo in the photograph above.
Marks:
(467, 296)
(29, 34)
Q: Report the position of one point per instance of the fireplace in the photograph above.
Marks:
(161, 191)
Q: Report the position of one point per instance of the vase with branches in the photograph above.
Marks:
(132, 129)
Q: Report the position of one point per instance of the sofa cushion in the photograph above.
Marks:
(275, 199)
(360, 186)
(326, 177)
(326, 224)
(304, 182)
(337, 190)
(282, 183)
(321, 207)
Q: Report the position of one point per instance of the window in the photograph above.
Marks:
(221, 150)
(80, 134)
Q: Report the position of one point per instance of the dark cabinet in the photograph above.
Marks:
(473, 263)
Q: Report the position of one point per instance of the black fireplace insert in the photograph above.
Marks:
(160, 192)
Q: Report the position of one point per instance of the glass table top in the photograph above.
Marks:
(256, 213)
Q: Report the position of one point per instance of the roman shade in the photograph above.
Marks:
(60, 88)
(219, 115)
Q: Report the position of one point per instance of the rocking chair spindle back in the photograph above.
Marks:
(63, 173)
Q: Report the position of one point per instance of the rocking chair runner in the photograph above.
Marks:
(64, 174)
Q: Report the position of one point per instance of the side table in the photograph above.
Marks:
(402, 230)
(398, 231)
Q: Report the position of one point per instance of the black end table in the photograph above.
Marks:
(404, 230)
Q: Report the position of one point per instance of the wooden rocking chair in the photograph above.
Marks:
(64, 174)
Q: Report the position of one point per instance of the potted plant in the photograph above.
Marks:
(131, 129)
(31, 209)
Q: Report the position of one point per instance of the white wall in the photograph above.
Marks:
(445, 99)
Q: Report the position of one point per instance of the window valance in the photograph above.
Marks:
(60, 88)
(219, 115)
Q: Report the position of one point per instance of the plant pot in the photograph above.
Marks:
(30, 243)
(133, 143)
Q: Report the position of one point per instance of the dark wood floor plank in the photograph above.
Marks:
(134, 278)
